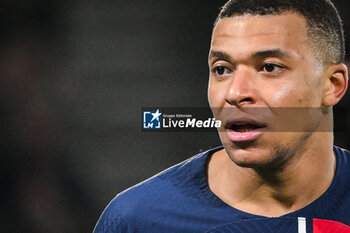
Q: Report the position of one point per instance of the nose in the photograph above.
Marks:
(242, 89)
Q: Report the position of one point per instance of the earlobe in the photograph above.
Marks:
(336, 84)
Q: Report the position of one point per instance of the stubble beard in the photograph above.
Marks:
(280, 157)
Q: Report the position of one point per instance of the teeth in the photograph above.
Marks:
(243, 127)
(244, 130)
(241, 124)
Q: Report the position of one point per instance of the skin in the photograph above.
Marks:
(266, 62)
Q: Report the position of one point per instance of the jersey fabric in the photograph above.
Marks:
(179, 200)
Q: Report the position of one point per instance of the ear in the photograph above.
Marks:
(336, 84)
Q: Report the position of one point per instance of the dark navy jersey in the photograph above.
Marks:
(179, 200)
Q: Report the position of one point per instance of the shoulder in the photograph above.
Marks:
(161, 191)
(343, 164)
(343, 157)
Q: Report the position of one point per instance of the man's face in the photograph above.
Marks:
(260, 65)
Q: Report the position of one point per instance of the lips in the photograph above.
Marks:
(243, 129)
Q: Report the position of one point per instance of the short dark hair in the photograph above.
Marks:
(324, 26)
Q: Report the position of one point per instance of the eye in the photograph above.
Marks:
(270, 67)
(220, 70)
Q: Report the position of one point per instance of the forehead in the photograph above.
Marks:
(241, 34)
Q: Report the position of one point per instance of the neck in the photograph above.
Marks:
(301, 180)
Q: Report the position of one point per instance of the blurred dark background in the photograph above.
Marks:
(74, 76)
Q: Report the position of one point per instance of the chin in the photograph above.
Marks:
(259, 158)
(248, 159)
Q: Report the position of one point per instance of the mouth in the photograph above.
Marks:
(244, 130)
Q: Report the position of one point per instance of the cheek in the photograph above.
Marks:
(294, 94)
(216, 95)
(285, 91)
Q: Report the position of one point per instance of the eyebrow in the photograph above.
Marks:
(271, 53)
(258, 55)
(220, 55)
